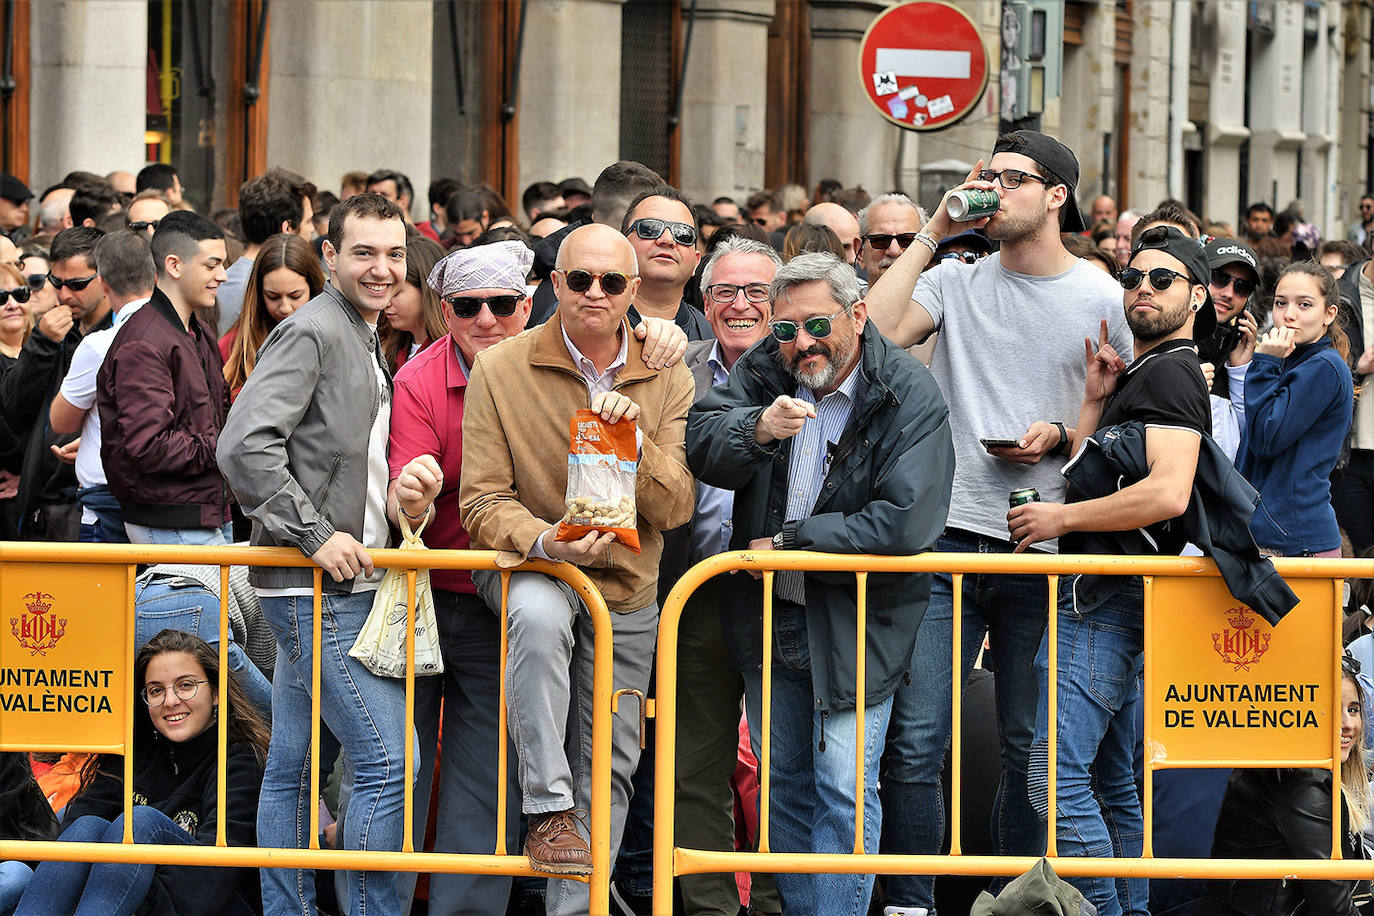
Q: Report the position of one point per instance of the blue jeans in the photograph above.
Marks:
(1011, 609)
(367, 714)
(1101, 654)
(14, 877)
(179, 603)
(812, 779)
(109, 516)
(213, 537)
(103, 888)
(470, 690)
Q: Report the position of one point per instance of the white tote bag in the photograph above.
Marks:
(381, 645)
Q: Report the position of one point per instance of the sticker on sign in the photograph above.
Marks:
(910, 92)
(898, 107)
(884, 83)
(923, 62)
(940, 107)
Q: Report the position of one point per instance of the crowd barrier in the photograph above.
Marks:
(1222, 689)
(66, 663)
(69, 613)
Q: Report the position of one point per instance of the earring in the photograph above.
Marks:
(214, 711)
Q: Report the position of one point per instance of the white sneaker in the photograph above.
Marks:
(905, 911)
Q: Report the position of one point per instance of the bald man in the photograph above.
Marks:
(840, 221)
(520, 399)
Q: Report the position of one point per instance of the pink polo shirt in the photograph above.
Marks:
(427, 419)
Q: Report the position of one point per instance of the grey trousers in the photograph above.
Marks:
(548, 663)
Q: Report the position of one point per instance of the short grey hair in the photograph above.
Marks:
(813, 266)
(889, 199)
(738, 244)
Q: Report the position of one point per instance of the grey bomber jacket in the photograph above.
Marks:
(294, 447)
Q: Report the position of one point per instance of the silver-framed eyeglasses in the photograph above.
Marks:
(185, 688)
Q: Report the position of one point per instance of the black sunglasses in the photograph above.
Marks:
(75, 285)
(1010, 178)
(880, 241)
(144, 225)
(1350, 664)
(20, 295)
(470, 306)
(36, 282)
(1242, 285)
(819, 327)
(968, 257)
(613, 282)
(650, 228)
(1161, 278)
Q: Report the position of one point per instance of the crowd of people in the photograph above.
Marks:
(314, 371)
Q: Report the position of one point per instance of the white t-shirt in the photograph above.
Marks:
(78, 388)
(1010, 352)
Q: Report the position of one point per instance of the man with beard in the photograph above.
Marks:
(835, 440)
(1007, 358)
(1102, 618)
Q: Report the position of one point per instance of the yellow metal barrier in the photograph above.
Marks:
(72, 607)
(1177, 592)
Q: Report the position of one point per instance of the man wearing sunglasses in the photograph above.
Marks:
(887, 227)
(519, 401)
(483, 290)
(1101, 618)
(663, 232)
(834, 440)
(1226, 353)
(127, 276)
(1008, 355)
(47, 480)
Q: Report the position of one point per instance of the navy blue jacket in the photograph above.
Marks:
(887, 492)
(1217, 520)
(1297, 416)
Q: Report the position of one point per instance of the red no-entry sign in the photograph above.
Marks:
(923, 65)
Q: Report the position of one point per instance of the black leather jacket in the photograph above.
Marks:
(1280, 814)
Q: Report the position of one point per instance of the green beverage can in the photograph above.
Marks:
(1021, 497)
(974, 203)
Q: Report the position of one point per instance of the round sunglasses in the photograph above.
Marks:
(1161, 278)
(613, 282)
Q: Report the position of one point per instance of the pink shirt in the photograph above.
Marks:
(427, 419)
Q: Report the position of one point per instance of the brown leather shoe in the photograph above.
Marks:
(554, 845)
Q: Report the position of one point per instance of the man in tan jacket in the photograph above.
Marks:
(520, 399)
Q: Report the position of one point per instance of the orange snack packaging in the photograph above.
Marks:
(602, 460)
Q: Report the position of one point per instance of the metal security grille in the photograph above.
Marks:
(646, 80)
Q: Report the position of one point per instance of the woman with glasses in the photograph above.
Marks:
(176, 678)
(286, 275)
(415, 317)
(1299, 400)
(16, 323)
(1286, 814)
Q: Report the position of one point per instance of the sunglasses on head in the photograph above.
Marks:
(470, 306)
(650, 228)
(880, 241)
(968, 257)
(1161, 278)
(144, 225)
(1243, 286)
(1350, 664)
(819, 327)
(20, 295)
(74, 285)
(613, 282)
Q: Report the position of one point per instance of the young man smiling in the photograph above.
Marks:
(299, 460)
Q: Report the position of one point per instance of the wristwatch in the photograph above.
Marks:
(778, 541)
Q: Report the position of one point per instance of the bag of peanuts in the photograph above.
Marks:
(601, 480)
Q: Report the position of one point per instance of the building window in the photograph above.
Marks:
(646, 82)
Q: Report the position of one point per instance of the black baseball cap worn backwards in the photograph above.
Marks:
(1052, 155)
(1194, 259)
